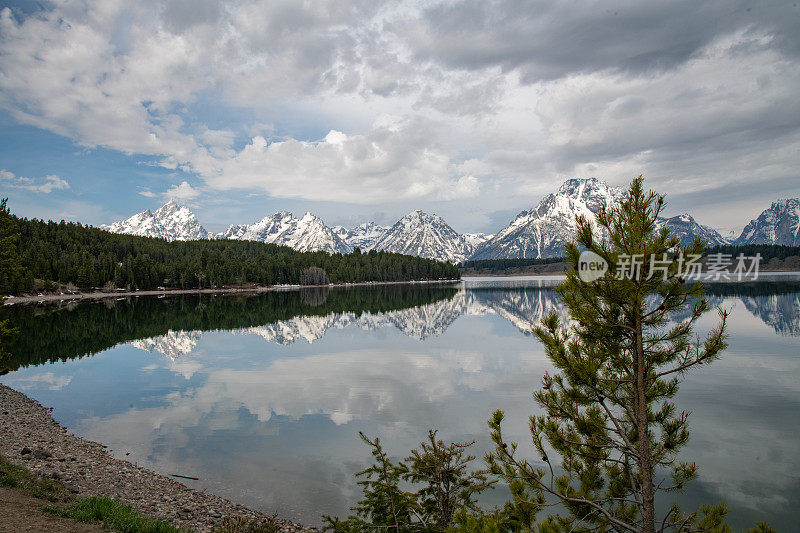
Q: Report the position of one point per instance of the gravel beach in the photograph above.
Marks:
(30, 437)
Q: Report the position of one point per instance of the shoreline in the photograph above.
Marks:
(30, 437)
(258, 289)
(261, 289)
(767, 273)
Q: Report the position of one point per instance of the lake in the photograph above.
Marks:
(262, 397)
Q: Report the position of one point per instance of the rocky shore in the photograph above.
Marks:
(30, 437)
(54, 297)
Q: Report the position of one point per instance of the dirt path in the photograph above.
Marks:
(19, 511)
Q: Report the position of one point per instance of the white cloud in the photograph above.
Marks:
(395, 160)
(71, 75)
(45, 380)
(464, 187)
(44, 185)
(481, 119)
(183, 192)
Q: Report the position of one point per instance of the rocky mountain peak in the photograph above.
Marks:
(779, 224)
(363, 236)
(425, 235)
(685, 227)
(543, 231)
(306, 234)
(171, 221)
(538, 232)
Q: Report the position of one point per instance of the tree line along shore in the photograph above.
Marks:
(66, 258)
(774, 258)
(38, 256)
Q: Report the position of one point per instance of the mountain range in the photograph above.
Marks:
(305, 234)
(539, 232)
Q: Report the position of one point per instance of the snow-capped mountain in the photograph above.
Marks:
(171, 221)
(780, 224)
(685, 227)
(425, 235)
(305, 234)
(543, 231)
(364, 236)
(476, 239)
(540, 232)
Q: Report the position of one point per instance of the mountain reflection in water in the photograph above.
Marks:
(275, 424)
(524, 308)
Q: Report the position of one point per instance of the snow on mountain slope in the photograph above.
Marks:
(364, 236)
(425, 235)
(476, 239)
(685, 227)
(171, 221)
(780, 224)
(542, 232)
(305, 234)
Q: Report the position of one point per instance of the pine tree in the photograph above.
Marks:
(448, 487)
(608, 411)
(10, 261)
(385, 504)
(448, 484)
(88, 257)
(10, 270)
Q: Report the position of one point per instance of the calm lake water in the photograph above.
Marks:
(262, 397)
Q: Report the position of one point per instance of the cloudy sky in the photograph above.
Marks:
(360, 109)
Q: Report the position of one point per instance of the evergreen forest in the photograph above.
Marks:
(67, 253)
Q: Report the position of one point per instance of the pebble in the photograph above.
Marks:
(30, 437)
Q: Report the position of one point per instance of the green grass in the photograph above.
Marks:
(12, 475)
(114, 515)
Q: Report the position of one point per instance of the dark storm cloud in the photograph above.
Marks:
(729, 193)
(548, 40)
(726, 135)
